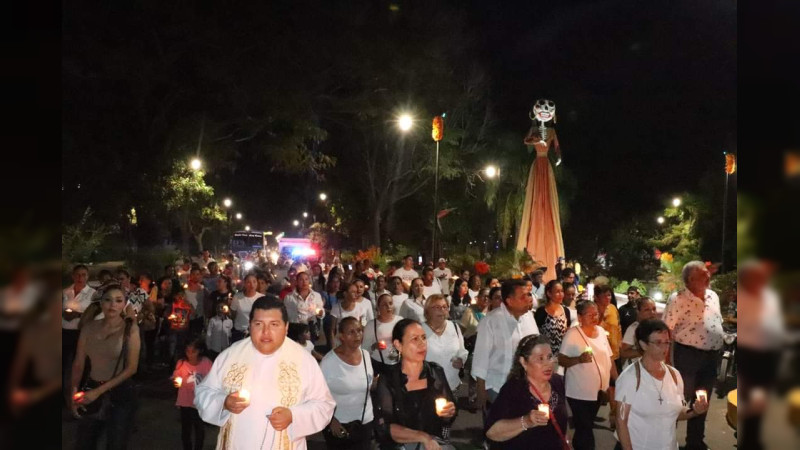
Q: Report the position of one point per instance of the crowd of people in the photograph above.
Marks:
(375, 357)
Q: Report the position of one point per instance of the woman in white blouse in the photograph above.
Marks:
(414, 306)
(378, 334)
(399, 295)
(350, 307)
(650, 394)
(585, 354)
(348, 373)
(445, 339)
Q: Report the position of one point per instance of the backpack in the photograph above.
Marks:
(639, 374)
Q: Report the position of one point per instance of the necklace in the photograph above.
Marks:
(660, 398)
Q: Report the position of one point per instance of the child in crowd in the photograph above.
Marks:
(188, 372)
(300, 333)
(219, 330)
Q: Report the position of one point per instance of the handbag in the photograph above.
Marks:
(101, 407)
(602, 395)
(553, 420)
(356, 429)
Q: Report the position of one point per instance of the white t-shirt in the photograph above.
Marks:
(442, 276)
(309, 346)
(242, 305)
(362, 311)
(397, 302)
(582, 380)
(442, 349)
(630, 339)
(434, 288)
(384, 334)
(651, 423)
(406, 275)
(77, 303)
(219, 333)
(413, 310)
(348, 385)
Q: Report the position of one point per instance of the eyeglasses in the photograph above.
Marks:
(659, 343)
(545, 360)
(440, 307)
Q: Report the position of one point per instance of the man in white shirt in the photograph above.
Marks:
(266, 391)
(538, 285)
(443, 274)
(74, 301)
(498, 335)
(407, 272)
(205, 259)
(695, 323)
(430, 287)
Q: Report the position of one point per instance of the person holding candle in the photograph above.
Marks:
(378, 335)
(629, 350)
(178, 316)
(406, 397)
(218, 331)
(586, 357)
(112, 346)
(531, 409)
(266, 391)
(189, 371)
(348, 372)
(223, 294)
(75, 299)
(553, 319)
(445, 339)
(241, 305)
(695, 321)
(650, 394)
(306, 306)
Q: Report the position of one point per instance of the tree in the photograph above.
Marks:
(191, 202)
(678, 242)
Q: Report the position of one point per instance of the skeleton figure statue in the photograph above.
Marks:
(540, 225)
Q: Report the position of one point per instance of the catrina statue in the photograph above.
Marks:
(540, 225)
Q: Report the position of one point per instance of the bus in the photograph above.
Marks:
(252, 241)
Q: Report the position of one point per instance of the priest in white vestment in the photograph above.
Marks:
(266, 392)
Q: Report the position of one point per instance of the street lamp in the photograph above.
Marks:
(296, 223)
(676, 202)
(305, 215)
(227, 203)
(491, 171)
(405, 122)
(660, 220)
(196, 164)
(247, 228)
(323, 196)
(238, 216)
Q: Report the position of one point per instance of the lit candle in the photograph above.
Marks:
(440, 404)
(185, 286)
(588, 349)
(225, 309)
(69, 310)
(473, 301)
(545, 408)
(178, 381)
(701, 394)
(319, 311)
(172, 317)
(244, 394)
(382, 345)
(78, 396)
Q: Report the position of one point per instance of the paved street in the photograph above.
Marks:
(158, 425)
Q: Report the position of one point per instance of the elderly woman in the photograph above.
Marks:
(414, 306)
(445, 340)
(650, 394)
(586, 356)
(107, 400)
(414, 403)
(378, 334)
(518, 418)
(348, 373)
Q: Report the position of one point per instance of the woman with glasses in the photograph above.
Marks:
(348, 373)
(650, 394)
(586, 357)
(531, 408)
(414, 405)
(445, 339)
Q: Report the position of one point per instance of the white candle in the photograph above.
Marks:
(69, 310)
(545, 408)
(382, 345)
(440, 404)
(701, 394)
(244, 394)
(225, 309)
(178, 381)
(588, 349)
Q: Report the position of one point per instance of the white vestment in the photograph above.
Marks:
(289, 377)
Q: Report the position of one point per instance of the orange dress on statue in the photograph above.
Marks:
(540, 226)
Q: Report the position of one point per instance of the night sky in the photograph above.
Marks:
(645, 91)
